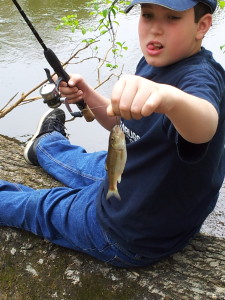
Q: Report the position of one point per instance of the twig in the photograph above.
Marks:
(23, 97)
(107, 79)
(101, 64)
(10, 100)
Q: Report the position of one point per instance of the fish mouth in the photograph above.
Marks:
(117, 138)
(117, 130)
(116, 127)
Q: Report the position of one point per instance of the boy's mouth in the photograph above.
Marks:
(154, 46)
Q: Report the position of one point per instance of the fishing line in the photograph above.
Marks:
(103, 106)
(95, 107)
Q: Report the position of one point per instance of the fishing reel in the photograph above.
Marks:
(52, 97)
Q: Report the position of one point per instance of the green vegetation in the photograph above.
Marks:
(105, 15)
(222, 6)
(221, 3)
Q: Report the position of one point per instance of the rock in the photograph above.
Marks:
(32, 268)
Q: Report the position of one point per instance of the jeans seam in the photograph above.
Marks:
(120, 260)
(95, 179)
(133, 256)
(18, 187)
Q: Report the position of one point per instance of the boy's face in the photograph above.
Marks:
(167, 36)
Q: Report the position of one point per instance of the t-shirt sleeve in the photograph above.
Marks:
(203, 84)
(186, 151)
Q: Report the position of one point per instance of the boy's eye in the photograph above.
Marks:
(147, 16)
(173, 18)
(151, 16)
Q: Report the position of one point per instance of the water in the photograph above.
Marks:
(22, 61)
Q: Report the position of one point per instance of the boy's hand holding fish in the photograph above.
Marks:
(137, 97)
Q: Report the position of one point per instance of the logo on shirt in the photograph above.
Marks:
(131, 135)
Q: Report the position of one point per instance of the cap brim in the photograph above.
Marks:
(178, 6)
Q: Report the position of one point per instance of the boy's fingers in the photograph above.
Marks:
(110, 111)
(150, 105)
(71, 83)
(117, 92)
(63, 84)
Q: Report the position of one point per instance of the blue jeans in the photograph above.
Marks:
(65, 216)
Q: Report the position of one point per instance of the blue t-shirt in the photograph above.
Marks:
(169, 185)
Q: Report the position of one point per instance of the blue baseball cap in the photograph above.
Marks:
(177, 5)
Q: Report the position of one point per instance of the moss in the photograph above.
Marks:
(36, 269)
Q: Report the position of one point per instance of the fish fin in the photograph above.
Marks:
(119, 179)
(113, 193)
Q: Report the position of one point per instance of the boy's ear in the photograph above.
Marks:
(203, 26)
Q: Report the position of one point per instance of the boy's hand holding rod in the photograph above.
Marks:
(56, 65)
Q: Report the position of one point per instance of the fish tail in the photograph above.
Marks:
(114, 193)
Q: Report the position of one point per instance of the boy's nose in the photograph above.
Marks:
(156, 28)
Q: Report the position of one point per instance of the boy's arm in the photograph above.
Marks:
(78, 89)
(135, 97)
(194, 118)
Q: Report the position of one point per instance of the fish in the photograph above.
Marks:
(116, 160)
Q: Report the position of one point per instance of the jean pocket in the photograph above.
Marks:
(126, 258)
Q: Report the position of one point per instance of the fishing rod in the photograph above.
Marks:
(50, 91)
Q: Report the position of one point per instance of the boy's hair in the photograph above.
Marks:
(200, 10)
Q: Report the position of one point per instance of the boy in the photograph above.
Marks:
(173, 114)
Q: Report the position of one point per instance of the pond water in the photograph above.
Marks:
(22, 61)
